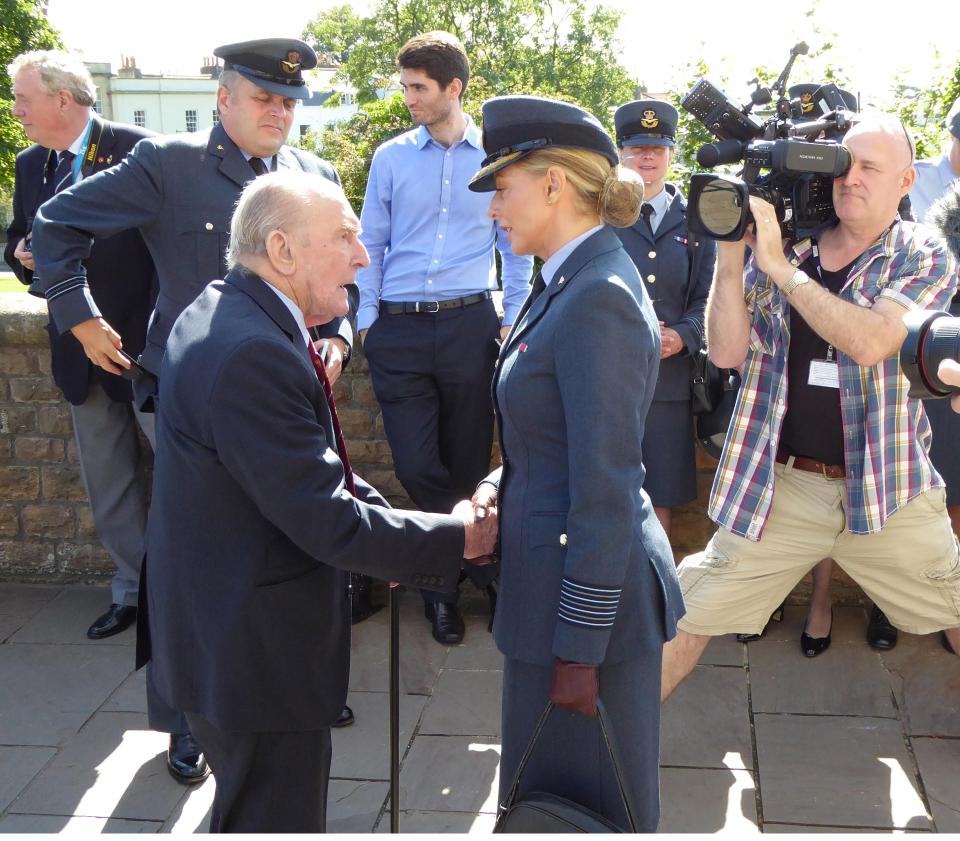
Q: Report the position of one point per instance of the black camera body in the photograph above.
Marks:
(782, 162)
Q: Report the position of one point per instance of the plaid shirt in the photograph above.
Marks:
(886, 434)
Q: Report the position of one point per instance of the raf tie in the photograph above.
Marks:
(646, 211)
(258, 166)
(328, 392)
(538, 287)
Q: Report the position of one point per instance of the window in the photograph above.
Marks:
(140, 119)
(191, 120)
(98, 103)
(216, 116)
(346, 98)
(304, 131)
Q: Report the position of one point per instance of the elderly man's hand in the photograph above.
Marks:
(949, 372)
(480, 532)
(766, 242)
(101, 343)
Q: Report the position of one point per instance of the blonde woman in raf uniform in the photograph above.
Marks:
(588, 588)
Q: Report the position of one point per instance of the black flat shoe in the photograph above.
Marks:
(117, 619)
(815, 646)
(445, 622)
(776, 616)
(345, 719)
(185, 762)
(881, 635)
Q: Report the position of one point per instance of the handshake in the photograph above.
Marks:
(480, 524)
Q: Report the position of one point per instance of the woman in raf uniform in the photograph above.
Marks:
(588, 591)
(676, 268)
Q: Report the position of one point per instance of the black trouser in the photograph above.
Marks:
(266, 782)
(432, 374)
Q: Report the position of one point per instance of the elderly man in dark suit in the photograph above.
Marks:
(53, 100)
(257, 512)
(179, 192)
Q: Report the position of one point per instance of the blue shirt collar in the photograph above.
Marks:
(552, 265)
(471, 135)
(294, 310)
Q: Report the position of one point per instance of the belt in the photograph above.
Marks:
(407, 307)
(809, 465)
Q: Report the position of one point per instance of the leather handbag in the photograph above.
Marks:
(541, 812)
(706, 383)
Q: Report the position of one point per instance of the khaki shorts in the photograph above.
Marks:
(910, 569)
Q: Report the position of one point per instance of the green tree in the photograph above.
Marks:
(23, 27)
(923, 109)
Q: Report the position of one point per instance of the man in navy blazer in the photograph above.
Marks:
(255, 516)
(53, 100)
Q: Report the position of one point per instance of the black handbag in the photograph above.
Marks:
(706, 383)
(541, 812)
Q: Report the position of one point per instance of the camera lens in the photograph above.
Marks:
(721, 207)
(931, 337)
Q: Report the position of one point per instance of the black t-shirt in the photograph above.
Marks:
(813, 426)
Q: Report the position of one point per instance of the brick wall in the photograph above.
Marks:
(46, 529)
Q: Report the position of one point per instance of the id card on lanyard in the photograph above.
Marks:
(823, 372)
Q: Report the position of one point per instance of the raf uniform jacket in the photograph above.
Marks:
(676, 267)
(120, 270)
(180, 192)
(249, 615)
(587, 574)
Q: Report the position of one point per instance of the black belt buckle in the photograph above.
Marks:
(427, 306)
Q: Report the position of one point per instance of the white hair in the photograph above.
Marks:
(273, 202)
(59, 71)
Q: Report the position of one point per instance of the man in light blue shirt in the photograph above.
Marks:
(936, 175)
(427, 317)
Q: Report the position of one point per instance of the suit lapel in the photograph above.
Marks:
(232, 163)
(674, 215)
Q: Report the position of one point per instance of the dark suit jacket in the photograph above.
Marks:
(681, 267)
(120, 269)
(574, 381)
(180, 192)
(248, 609)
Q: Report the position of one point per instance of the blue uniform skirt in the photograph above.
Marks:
(945, 449)
(669, 454)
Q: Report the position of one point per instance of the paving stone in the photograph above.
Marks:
(926, 682)
(837, 771)
(115, 767)
(192, 814)
(24, 600)
(849, 626)
(939, 761)
(464, 704)
(18, 766)
(354, 805)
(708, 800)
(48, 691)
(86, 827)
(705, 723)
(131, 695)
(361, 751)
(459, 823)
(815, 830)
(844, 680)
(450, 774)
(421, 656)
(65, 620)
(723, 651)
(478, 650)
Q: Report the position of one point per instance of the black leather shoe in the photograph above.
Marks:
(815, 646)
(185, 762)
(345, 719)
(946, 644)
(445, 621)
(117, 619)
(881, 635)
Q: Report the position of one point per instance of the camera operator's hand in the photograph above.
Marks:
(766, 242)
(949, 372)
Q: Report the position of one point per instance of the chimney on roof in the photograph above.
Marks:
(211, 67)
(128, 68)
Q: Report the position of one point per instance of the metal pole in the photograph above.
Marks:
(394, 603)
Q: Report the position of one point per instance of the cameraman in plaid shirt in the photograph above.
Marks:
(826, 456)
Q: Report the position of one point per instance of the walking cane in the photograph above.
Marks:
(394, 604)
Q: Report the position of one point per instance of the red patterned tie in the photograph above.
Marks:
(337, 431)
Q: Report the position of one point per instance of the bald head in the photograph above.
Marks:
(891, 129)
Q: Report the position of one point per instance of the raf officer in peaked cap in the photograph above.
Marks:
(179, 191)
(676, 267)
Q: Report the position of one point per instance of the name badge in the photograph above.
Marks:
(825, 374)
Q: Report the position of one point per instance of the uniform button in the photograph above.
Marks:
(652, 254)
(209, 226)
(563, 540)
(651, 278)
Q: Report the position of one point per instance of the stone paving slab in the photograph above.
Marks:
(926, 682)
(355, 805)
(130, 696)
(49, 691)
(361, 751)
(844, 680)
(115, 767)
(445, 822)
(18, 603)
(939, 761)
(849, 626)
(478, 651)
(723, 651)
(192, 813)
(85, 827)
(464, 704)
(837, 771)
(816, 830)
(705, 724)
(65, 619)
(708, 801)
(450, 774)
(18, 766)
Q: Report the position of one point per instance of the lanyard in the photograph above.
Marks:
(816, 264)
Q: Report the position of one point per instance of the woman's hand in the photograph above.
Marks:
(576, 687)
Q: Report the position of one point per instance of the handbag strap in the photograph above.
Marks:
(611, 750)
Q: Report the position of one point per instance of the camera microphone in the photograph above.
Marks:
(729, 151)
(944, 218)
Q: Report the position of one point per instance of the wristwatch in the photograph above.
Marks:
(799, 278)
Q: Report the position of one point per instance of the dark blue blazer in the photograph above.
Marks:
(251, 527)
(573, 384)
(120, 270)
(677, 269)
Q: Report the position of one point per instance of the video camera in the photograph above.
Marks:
(800, 169)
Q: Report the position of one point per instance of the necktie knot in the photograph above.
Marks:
(646, 211)
(258, 166)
